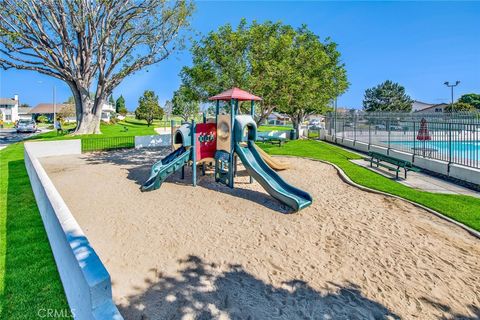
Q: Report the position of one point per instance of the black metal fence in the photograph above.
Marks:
(100, 144)
(451, 137)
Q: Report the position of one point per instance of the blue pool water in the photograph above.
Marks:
(460, 149)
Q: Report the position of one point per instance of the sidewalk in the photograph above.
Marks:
(421, 181)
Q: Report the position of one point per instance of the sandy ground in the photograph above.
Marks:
(211, 252)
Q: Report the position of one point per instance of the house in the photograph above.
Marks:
(423, 107)
(9, 109)
(46, 109)
(108, 111)
(24, 113)
(276, 118)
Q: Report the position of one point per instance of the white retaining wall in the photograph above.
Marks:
(85, 279)
(161, 140)
(464, 173)
(457, 171)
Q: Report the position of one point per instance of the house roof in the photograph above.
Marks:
(23, 110)
(235, 93)
(432, 106)
(47, 108)
(8, 101)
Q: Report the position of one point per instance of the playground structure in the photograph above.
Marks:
(220, 142)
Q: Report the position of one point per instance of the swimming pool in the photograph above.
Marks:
(467, 150)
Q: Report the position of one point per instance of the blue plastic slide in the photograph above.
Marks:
(162, 169)
(269, 179)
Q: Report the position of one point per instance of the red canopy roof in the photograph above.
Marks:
(235, 93)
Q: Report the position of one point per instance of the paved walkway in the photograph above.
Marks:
(422, 181)
(9, 136)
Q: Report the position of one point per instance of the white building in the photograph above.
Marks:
(47, 109)
(108, 111)
(9, 109)
(423, 107)
(277, 118)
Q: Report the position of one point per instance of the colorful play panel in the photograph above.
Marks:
(220, 142)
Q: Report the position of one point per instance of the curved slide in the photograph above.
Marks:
(162, 169)
(273, 163)
(269, 179)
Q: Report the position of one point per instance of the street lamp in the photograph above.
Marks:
(451, 86)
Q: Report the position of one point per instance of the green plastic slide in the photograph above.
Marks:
(269, 179)
(162, 169)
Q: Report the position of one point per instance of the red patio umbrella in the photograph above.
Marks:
(423, 133)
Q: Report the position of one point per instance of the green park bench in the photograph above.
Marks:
(395, 164)
(273, 137)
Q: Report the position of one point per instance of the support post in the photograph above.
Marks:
(252, 112)
(194, 154)
(204, 117)
(172, 128)
(232, 144)
(217, 111)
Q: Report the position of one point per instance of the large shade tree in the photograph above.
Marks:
(388, 96)
(185, 103)
(472, 99)
(291, 69)
(90, 45)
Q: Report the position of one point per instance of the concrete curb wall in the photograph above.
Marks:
(464, 173)
(401, 155)
(85, 279)
(161, 140)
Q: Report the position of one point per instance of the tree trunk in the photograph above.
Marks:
(88, 110)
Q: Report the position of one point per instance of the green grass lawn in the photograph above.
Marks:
(29, 279)
(264, 128)
(464, 209)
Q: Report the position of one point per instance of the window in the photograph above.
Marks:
(8, 117)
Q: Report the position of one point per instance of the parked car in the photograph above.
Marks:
(26, 126)
(380, 127)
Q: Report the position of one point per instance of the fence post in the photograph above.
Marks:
(414, 139)
(449, 144)
(388, 135)
(354, 128)
(369, 135)
(343, 129)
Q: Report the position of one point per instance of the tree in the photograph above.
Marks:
(185, 104)
(66, 112)
(168, 108)
(120, 106)
(459, 107)
(111, 101)
(25, 105)
(472, 99)
(89, 44)
(387, 96)
(258, 58)
(148, 108)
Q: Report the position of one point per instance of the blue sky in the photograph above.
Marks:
(418, 44)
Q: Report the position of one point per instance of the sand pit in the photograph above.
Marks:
(211, 252)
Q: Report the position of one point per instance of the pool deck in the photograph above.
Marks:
(422, 181)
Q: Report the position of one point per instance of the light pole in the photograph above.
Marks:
(451, 86)
(54, 108)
